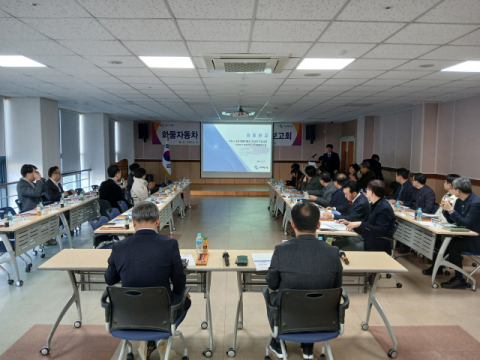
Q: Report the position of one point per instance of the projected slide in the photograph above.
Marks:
(236, 150)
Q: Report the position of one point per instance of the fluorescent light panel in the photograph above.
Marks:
(170, 62)
(18, 61)
(467, 66)
(323, 64)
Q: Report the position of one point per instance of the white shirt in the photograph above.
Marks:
(355, 198)
(56, 183)
(28, 182)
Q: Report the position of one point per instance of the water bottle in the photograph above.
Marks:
(320, 238)
(123, 181)
(199, 244)
(82, 196)
(62, 202)
(6, 221)
(10, 216)
(41, 206)
(419, 214)
(397, 205)
(127, 223)
(130, 220)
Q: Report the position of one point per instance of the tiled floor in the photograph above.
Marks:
(241, 223)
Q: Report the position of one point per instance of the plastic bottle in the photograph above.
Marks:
(39, 210)
(41, 206)
(419, 214)
(6, 221)
(130, 220)
(123, 180)
(397, 205)
(82, 196)
(127, 223)
(205, 245)
(199, 243)
(62, 201)
(10, 216)
(320, 238)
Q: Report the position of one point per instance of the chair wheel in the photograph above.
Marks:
(130, 356)
(174, 229)
(282, 229)
(323, 356)
(185, 358)
(207, 353)
(399, 285)
(393, 353)
(364, 326)
(204, 325)
(286, 233)
(231, 353)
(19, 283)
(413, 251)
(267, 358)
(42, 256)
(45, 351)
(435, 285)
(469, 285)
(77, 324)
(240, 325)
(422, 256)
(446, 272)
(34, 252)
(10, 282)
(389, 276)
(27, 269)
(474, 264)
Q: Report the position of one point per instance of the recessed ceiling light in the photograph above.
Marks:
(312, 74)
(115, 62)
(467, 66)
(341, 52)
(172, 62)
(18, 61)
(323, 64)
(427, 65)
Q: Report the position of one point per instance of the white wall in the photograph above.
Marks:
(360, 139)
(94, 146)
(2, 130)
(124, 141)
(111, 136)
(70, 127)
(50, 134)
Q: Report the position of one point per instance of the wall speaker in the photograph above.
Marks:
(143, 131)
(310, 133)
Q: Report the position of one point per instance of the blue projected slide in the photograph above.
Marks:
(236, 150)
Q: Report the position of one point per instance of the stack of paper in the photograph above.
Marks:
(189, 257)
(332, 226)
(262, 261)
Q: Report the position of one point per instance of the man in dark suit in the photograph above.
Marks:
(339, 202)
(331, 161)
(323, 197)
(110, 190)
(424, 197)
(375, 166)
(379, 224)
(303, 263)
(406, 192)
(28, 192)
(53, 189)
(148, 259)
(465, 213)
(367, 175)
(311, 181)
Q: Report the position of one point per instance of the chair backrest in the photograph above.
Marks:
(113, 213)
(104, 206)
(78, 191)
(163, 185)
(19, 204)
(437, 206)
(7, 209)
(309, 311)
(169, 182)
(392, 232)
(139, 308)
(96, 223)
(95, 187)
(123, 205)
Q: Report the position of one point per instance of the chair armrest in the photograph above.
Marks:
(272, 308)
(106, 306)
(344, 306)
(176, 307)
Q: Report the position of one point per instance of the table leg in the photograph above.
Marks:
(372, 300)
(66, 230)
(231, 351)
(208, 352)
(440, 259)
(74, 298)
(12, 257)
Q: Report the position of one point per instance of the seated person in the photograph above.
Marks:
(303, 263)
(367, 175)
(293, 171)
(324, 196)
(28, 192)
(130, 177)
(109, 189)
(311, 181)
(448, 186)
(424, 196)
(141, 188)
(339, 202)
(353, 169)
(465, 213)
(298, 178)
(147, 259)
(405, 193)
(53, 190)
(375, 166)
(380, 223)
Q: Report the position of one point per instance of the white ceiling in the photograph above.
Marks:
(77, 39)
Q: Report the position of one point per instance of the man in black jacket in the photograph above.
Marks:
(311, 181)
(379, 224)
(375, 166)
(303, 263)
(331, 161)
(110, 190)
(367, 175)
(406, 192)
(339, 201)
(148, 259)
(53, 189)
(424, 196)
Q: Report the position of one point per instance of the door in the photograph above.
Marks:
(347, 149)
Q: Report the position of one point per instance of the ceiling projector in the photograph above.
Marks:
(239, 114)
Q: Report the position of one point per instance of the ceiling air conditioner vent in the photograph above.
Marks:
(245, 63)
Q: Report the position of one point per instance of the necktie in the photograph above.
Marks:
(329, 155)
(349, 203)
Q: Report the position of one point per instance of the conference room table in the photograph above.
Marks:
(37, 229)
(86, 261)
(421, 237)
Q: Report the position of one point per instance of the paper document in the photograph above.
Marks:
(262, 261)
(332, 226)
(189, 257)
(432, 216)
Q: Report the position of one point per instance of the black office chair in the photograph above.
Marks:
(95, 187)
(78, 191)
(123, 205)
(45, 200)
(112, 213)
(307, 316)
(143, 314)
(437, 206)
(105, 239)
(104, 206)
(393, 244)
(19, 205)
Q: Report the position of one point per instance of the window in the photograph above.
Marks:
(3, 180)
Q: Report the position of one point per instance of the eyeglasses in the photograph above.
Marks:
(57, 172)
